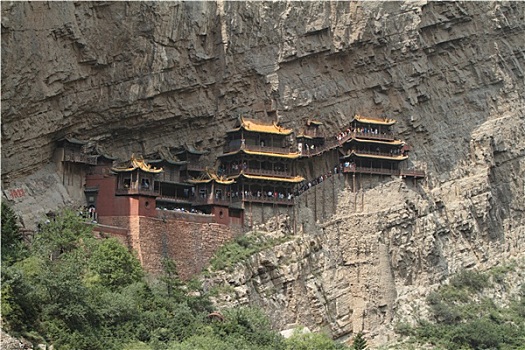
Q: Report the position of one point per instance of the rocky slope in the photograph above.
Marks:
(138, 75)
(371, 264)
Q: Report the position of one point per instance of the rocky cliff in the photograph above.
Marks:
(137, 75)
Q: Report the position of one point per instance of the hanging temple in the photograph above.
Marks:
(264, 170)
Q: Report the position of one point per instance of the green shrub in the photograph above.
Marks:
(13, 248)
(241, 248)
(465, 320)
(312, 341)
(76, 292)
(472, 280)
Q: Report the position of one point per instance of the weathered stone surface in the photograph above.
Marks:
(135, 75)
(7, 342)
(373, 262)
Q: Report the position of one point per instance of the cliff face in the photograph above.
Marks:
(139, 75)
(373, 263)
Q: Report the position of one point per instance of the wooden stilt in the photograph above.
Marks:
(362, 199)
(333, 194)
(262, 214)
(315, 203)
(323, 212)
(294, 220)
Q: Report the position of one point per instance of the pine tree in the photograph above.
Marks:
(359, 342)
(13, 248)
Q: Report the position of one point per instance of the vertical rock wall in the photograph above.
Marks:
(135, 75)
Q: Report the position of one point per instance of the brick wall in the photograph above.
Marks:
(190, 244)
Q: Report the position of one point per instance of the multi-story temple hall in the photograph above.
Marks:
(371, 148)
(168, 203)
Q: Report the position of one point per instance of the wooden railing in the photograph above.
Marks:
(216, 201)
(412, 172)
(372, 136)
(417, 173)
(134, 191)
(273, 200)
(375, 153)
(370, 170)
(255, 148)
(263, 172)
(164, 197)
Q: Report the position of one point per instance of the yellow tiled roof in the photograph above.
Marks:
(377, 156)
(295, 179)
(137, 163)
(314, 122)
(212, 177)
(293, 155)
(252, 125)
(369, 120)
(393, 143)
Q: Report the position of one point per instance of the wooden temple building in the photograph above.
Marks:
(260, 159)
(259, 166)
(371, 148)
(311, 137)
(263, 170)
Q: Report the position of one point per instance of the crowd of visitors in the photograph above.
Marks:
(183, 210)
(320, 179)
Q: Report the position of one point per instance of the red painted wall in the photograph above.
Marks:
(221, 215)
(108, 204)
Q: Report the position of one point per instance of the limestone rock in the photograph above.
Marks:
(137, 75)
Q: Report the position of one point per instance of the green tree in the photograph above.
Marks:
(359, 342)
(312, 341)
(170, 277)
(63, 234)
(13, 248)
(113, 266)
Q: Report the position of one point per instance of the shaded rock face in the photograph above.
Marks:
(139, 75)
(373, 263)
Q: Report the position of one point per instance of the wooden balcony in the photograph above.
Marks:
(215, 201)
(269, 200)
(377, 153)
(334, 143)
(372, 136)
(173, 199)
(415, 173)
(370, 170)
(255, 148)
(262, 172)
(130, 191)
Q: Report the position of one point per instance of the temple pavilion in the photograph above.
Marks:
(373, 148)
(259, 157)
(213, 195)
(310, 137)
(174, 191)
(136, 177)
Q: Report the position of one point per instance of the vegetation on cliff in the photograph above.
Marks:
(74, 291)
(468, 314)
